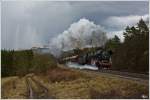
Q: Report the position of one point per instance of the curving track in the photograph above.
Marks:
(140, 78)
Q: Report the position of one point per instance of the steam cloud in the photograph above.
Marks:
(83, 33)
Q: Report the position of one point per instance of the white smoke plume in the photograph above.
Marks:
(83, 33)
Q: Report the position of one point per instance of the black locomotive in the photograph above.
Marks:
(101, 58)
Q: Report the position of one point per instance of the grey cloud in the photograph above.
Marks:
(45, 19)
(120, 22)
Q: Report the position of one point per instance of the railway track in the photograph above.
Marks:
(127, 74)
(35, 89)
(140, 78)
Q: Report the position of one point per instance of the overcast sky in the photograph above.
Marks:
(28, 24)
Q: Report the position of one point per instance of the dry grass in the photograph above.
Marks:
(8, 80)
(65, 83)
(14, 87)
(62, 74)
(91, 86)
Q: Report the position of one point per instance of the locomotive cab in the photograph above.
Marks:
(104, 60)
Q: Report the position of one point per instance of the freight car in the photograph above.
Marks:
(102, 59)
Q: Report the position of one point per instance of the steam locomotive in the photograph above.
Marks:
(101, 59)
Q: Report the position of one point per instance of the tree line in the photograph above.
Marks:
(133, 54)
(23, 62)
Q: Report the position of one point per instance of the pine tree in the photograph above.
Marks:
(133, 54)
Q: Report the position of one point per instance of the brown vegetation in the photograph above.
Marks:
(70, 83)
(62, 74)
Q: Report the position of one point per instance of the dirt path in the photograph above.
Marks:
(35, 89)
